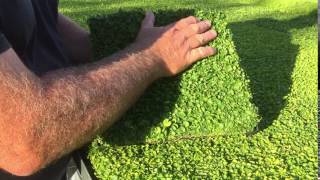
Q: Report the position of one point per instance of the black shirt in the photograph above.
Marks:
(29, 27)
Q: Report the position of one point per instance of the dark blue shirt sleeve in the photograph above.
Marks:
(4, 44)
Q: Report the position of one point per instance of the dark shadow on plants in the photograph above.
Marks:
(81, 10)
(114, 32)
(268, 57)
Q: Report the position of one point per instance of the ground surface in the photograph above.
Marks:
(277, 45)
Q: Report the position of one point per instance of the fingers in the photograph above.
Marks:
(197, 28)
(200, 53)
(198, 34)
(149, 20)
(202, 39)
(183, 23)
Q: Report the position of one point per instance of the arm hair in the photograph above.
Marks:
(44, 118)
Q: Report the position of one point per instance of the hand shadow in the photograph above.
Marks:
(268, 57)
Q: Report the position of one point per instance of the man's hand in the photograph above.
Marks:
(179, 45)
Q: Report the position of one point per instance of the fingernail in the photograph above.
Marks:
(215, 50)
(214, 33)
(208, 22)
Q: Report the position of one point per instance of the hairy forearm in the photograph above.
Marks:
(64, 109)
(83, 101)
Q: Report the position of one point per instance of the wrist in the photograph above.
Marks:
(156, 64)
(153, 60)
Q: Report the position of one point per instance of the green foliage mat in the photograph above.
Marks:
(212, 98)
(277, 43)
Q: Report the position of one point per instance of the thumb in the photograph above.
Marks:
(148, 20)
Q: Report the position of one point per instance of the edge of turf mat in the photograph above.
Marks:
(210, 99)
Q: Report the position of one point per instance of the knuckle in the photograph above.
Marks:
(201, 51)
(208, 51)
(178, 25)
(203, 25)
(208, 36)
(186, 47)
(174, 29)
(189, 57)
(195, 28)
(192, 43)
(195, 55)
(192, 19)
(201, 39)
(181, 37)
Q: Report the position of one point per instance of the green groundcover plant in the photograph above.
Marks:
(278, 52)
(211, 98)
